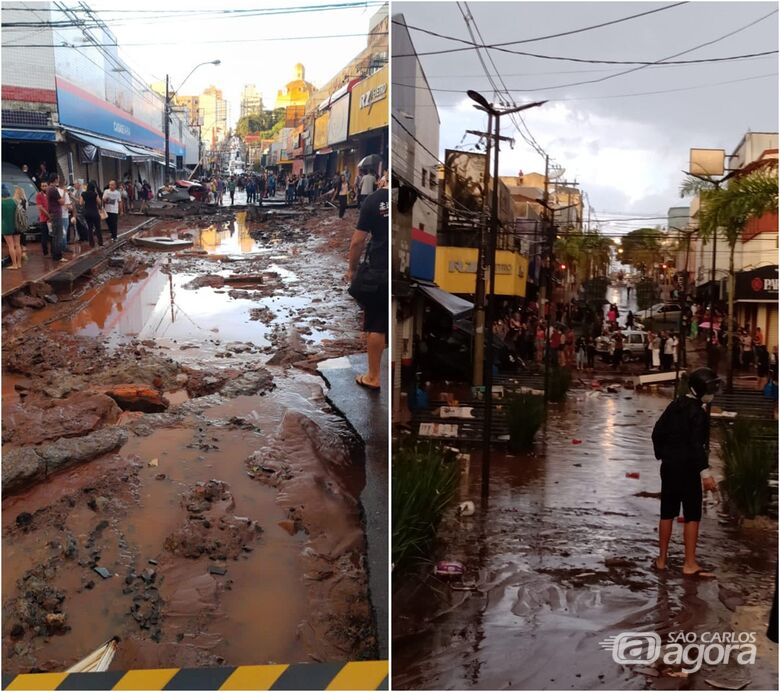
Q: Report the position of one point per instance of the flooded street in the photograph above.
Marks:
(195, 494)
(562, 559)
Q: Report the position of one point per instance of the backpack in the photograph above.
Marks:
(20, 220)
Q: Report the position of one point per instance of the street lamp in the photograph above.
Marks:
(495, 115)
(168, 98)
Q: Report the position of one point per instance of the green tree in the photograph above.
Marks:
(726, 211)
(261, 123)
(642, 248)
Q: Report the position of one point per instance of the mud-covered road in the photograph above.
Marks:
(165, 426)
(562, 560)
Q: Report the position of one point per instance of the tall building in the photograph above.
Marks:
(209, 110)
(251, 101)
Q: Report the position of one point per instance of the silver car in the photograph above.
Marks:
(662, 313)
(633, 345)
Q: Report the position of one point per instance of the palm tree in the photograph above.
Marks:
(728, 210)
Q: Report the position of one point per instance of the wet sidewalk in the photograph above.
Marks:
(40, 267)
(366, 412)
(561, 559)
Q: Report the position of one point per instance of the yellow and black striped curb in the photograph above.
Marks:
(359, 675)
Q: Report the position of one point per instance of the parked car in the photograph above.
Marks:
(633, 345)
(13, 178)
(662, 313)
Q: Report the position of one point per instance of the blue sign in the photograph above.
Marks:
(82, 110)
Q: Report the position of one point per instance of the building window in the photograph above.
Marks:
(424, 175)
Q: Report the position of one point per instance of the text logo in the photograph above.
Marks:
(634, 647)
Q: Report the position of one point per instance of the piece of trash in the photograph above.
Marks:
(727, 686)
(466, 509)
(675, 674)
(103, 572)
(160, 477)
(154, 462)
(632, 474)
(576, 464)
(449, 568)
(576, 442)
(152, 562)
(217, 570)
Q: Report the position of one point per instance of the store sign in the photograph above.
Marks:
(376, 94)
(369, 109)
(758, 284)
(339, 121)
(456, 269)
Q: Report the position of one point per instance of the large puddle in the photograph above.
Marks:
(562, 560)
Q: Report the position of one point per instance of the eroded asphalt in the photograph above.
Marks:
(562, 559)
(224, 509)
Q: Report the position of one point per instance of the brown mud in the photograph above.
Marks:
(562, 559)
(206, 557)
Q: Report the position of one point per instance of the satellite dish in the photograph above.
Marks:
(556, 171)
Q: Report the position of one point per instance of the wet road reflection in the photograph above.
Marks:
(562, 559)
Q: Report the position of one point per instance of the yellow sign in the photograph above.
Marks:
(370, 103)
(321, 131)
(456, 271)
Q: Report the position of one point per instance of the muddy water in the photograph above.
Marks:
(562, 560)
(267, 604)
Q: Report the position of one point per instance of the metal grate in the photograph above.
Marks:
(15, 118)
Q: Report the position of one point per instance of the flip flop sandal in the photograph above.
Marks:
(360, 379)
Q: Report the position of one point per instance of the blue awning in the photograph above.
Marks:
(29, 135)
(109, 149)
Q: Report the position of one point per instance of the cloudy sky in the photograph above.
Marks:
(626, 150)
(260, 50)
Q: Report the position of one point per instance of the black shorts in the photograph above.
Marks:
(680, 486)
(375, 318)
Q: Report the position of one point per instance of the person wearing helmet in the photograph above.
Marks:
(680, 441)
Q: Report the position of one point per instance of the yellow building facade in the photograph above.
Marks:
(456, 271)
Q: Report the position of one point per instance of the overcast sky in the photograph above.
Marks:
(179, 41)
(626, 152)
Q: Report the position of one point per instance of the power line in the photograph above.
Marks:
(177, 43)
(537, 38)
(606, 96)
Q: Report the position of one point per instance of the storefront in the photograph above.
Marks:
(368, 117)
(755, 301)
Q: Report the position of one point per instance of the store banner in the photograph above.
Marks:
(370, 105)
(338, 126)
(321, 131)
(758, 284)
(79, 109)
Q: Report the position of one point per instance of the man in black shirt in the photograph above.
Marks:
(681, 440)
(373, 221)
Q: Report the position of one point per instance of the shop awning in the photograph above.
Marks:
(109, 149)
(141, 154)
(12, 135)
(457, 307)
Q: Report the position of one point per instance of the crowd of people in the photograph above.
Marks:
(580, 333)
(68, 214)
(301, 188)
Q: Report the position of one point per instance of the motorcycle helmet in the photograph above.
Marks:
(704, 384)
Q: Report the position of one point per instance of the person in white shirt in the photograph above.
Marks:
(111, 200)
(67, 212)
(367, 186)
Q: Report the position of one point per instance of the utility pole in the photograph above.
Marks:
(484, 105)
(479, 290)
(167, 129)
(547, 305)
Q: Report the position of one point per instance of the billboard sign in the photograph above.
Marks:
(464, 186)
(339, 120)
